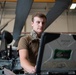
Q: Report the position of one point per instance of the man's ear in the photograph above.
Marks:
(31, 23)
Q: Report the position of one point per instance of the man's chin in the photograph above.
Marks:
(40, 32)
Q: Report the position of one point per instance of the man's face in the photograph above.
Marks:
(39, 24)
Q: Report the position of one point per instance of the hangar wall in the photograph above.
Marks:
(64, 23)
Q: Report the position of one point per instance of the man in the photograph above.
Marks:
(29, 44)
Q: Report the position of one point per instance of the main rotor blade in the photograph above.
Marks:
(59, 7)
(22, 11)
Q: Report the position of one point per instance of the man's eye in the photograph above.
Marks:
(38, 22)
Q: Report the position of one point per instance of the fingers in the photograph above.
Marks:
(31, 70)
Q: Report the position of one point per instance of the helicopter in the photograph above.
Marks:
(6, 37)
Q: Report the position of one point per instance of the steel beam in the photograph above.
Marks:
(50, 1)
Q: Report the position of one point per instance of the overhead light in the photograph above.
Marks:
(73, 6)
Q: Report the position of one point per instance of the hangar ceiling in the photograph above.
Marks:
(10, 6)
(36, 7)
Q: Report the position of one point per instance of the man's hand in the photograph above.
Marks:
(31, 70)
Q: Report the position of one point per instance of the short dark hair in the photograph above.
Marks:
(41, 15)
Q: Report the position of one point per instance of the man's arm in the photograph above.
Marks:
(26, 65)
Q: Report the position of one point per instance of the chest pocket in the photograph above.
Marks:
(34, 45)
(33, 50)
